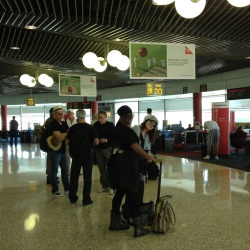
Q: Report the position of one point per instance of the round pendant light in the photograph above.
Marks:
(101, 65)
(162, 2)
(32, 82)
(24, 79)
(123, 63)
(239, 3)
(89, 60)
(113, 57)
(49, 82)
(190, 8)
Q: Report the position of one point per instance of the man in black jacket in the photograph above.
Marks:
(106, 131)
(89, 138)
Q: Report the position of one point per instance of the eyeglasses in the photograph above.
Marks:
(153, 123)
(129, 116)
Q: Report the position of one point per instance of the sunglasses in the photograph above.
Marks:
(129, 116)
(153, 123)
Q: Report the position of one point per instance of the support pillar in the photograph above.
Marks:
(4, 117)
(94, 108)
(197, 108)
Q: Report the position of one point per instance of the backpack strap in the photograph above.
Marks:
(142, 140)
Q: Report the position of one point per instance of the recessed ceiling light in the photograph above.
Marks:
(14, 47)
(117, 39)
(30, 27)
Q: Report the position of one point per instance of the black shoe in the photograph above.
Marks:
(85, 203)
(73, 201)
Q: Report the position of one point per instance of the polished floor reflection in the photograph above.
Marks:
(211, 204)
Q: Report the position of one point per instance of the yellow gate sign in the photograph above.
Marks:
(154, 89)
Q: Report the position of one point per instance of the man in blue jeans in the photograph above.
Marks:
(58, 131)
(81, 138)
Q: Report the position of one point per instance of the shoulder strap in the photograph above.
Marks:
(142, 140)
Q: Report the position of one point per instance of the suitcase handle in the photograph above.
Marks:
(159, 184)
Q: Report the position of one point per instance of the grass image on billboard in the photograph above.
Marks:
(148, 60)
(70, 85)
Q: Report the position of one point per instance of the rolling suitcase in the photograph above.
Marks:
(164, 215)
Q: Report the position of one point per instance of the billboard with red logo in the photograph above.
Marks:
(77, 85)
(162, 61)
(220, 114)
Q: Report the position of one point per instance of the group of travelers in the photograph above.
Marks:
(134, 146)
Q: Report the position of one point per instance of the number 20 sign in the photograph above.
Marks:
(154, 89)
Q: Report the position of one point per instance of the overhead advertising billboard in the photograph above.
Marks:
(77, 85)
(162, 61)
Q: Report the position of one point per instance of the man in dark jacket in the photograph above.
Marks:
(80, 159)
(105, 131)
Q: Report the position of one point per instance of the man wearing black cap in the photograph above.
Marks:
(127, 179)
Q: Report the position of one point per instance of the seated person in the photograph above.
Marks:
(190, 127)
(239, 137)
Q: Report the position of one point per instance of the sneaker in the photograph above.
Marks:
(58, 193)
(216, 158)
(111, 191)
(207, 157)
(100, 190)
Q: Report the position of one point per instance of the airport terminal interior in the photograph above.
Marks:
(210, 198)
(210, 201)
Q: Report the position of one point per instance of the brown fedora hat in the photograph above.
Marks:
(53, 143)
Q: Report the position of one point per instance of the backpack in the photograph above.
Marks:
(43, 142)
(79, 143)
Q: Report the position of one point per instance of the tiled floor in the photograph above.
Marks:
(211, 204)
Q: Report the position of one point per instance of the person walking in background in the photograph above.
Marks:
(70, 122)
(57, 132)
(13, 130)
(149, 113)
(81, 138)
(213, 137)
(106, 133)
(127, 179)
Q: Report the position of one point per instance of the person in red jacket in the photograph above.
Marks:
(239, 137)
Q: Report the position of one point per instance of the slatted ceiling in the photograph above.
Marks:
(221, 31)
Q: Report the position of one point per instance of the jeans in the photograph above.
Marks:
(13, 133)
(86, 164)
(102, 156)
(58, 159)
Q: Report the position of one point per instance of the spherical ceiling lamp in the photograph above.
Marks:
(162, 2)
(239, 3)
(43, 79)
(189, 8)
(89, 60)
(123, 63)
(101, 65)
(49, 82)
(25, 79)
(32, 82)
(113, 57)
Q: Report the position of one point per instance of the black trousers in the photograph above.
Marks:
(134, 204)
